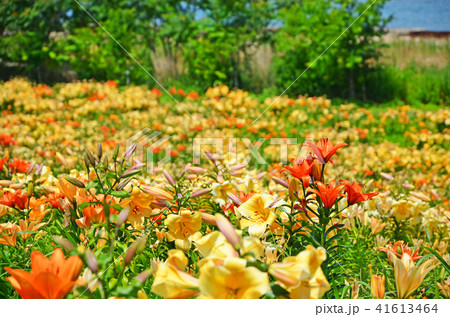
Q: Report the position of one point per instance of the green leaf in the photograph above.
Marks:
(87, 204)
(439, 257)
(120, 194)
(279, 291)
(26, 232)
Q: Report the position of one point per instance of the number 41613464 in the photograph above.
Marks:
(407, 308)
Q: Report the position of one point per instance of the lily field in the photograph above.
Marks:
(125, 192)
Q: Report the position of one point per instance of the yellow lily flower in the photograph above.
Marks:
(301, 275)
(408, 276)
(220, 190)
(139, 204)
(215, 246)
(182, 226)
(170, 279)
(257, 215)
(232, 279)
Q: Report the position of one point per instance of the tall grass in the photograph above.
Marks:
(413, 84)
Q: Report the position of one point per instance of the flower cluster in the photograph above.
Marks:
(98, 224)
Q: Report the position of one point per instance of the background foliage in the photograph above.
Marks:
(256, 45)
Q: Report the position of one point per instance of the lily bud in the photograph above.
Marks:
(16, 186)
(389, 177)
(39, 169)
(169, 178)
(420, 196)
(260, 175)
(234, 199)
(228, 231)
(30, 169)
(122, 216)
(90, 157)
(144, 275)
(130, 172)
(66, 244)
(236, 173)
(130, 151)
(191, 176)
(62, 160)
(140, 244)
(435, 194)
(238, 166)
(75, 182)
(123, 183)
(91, 260)
(197, 169)
(99, 150)
(86, 162)
(200, 192)
(275, 203)
(105, 161)
(5, 182)
(30, 189)
(377, 286)
(129, 255)
(158, 203)
(316, 171)
(116, 151)
(157, 192)
(208, 218)
(210, 156)
(280, 181)
(136, 247)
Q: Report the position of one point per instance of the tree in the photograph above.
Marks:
(310, 27)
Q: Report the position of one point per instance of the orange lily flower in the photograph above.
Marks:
(7, 140)
(19, 166)
(399, 248)
(53, 200)
(49, 278)
(355, 194)
(67, 189)
(18, 199)
(327, 193)
(324, 150)
(26, 225)
(38, 209)
(2, 162)
(95, 212)
(301, 170)
(8, 234)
